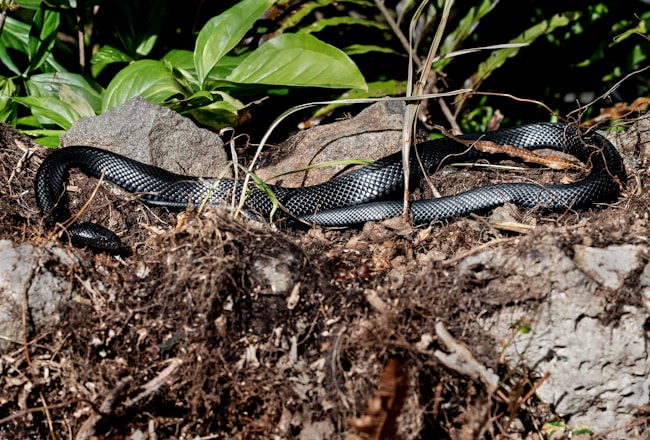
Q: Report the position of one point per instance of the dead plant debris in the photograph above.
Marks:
(223, 328)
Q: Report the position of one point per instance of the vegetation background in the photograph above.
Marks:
(63, 59)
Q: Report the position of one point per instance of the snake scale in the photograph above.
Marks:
(365, 194)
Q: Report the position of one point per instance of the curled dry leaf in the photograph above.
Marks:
(379, 422)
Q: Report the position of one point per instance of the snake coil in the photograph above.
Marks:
(356, 197)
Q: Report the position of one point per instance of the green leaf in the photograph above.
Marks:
(7, 106)
(42, 36)
(197, 100)
(219, 114)
(137, 24)
(49, 84)
(223, 32)
(59, 4)
(31, 4)
(146, 78)
(108, 55)
(48, 141)
(464, 29)
(14, 36)
(75, 101)
(43, 132)
(498, 57)
(359, 49)
(181, 62)
(582, 430)
(49, 110)
(299, 60)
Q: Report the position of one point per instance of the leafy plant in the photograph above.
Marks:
(201, 82)
(217, 69)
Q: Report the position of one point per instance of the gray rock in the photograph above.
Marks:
(155, 135)
(374, 133)
(609, 266)
(22, 277)
(596, 370)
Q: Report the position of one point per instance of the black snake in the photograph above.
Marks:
(366, 194)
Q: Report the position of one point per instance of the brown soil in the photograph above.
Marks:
(240, 356)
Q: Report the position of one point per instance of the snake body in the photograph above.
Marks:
(356, 197)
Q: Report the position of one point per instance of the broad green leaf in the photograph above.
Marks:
(219, 114)
(299, 60)
(49, 84)
(14, 36)
(42, 36)
(223, 32)
(498, 57)
(43, 132)
(7, 106)
(49, 141)
(197, 100)
(75, 101)
(30, 4)
(146, 78)
(226, 65)
(180, 59)
(108, 55)
(181, 62)
(50, 110)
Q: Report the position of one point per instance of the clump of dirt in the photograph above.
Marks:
(225, 328)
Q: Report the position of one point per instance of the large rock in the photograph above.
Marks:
(599, 367)
(374, 133)
(155, 135)
(28, 287)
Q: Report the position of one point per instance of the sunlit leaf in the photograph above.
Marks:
(146, 78)
(223, 113)
(48, 84)
(223, 32)
(75, 101)
(299, 60)
(14, 36)
(7, 105)
(42, 36)
(108, 55)
(50, 110)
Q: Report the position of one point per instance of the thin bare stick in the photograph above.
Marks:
(531, 101)
(608, 92)
(81, 6)
(412, 109)
(87, 430)
(154, 384)
(396, 30)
